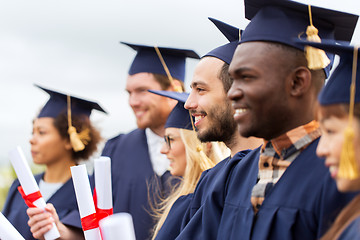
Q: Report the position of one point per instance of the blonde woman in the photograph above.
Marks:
(187, 155)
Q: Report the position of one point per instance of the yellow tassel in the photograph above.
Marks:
(177, 88)
(348, 168)
(316, 58)
(75, 140)
(84, 136)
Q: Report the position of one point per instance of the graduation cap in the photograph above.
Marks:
(283, 20)
(179, 117)
(59, 103)
(148, 60)
(343, 87)
(226, 51)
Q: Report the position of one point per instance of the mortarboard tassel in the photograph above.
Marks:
(316, 58)
(77, 141)
(348, 168)
(177, 88)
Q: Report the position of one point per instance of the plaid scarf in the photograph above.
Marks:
(276, 156)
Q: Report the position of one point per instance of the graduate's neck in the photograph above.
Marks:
(238, 143)
(160, 131)
(59, 171)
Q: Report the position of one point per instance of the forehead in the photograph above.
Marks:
(172, 131)
(253, 54)
(43, 122)
(207, 71)
(142, 80)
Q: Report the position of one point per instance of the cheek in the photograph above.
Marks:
(335, 145)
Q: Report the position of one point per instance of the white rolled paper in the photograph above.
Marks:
(7, 230)
(102, 172)
(29, 185)
(84, 198)
(117, 226)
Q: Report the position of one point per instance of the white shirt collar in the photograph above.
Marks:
(159, 161)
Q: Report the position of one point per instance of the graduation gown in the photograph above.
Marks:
(132, 177)
(186, 207)
(352, 231)
(64, 201)
(302, 204)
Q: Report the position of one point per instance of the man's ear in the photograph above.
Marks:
(300, 81)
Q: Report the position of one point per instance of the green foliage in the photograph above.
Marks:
(7, 176)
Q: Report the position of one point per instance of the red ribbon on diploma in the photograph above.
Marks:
(101, 213)
(89, 222)
(31, 198)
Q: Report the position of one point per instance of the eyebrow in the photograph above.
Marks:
(196, 83)
(239, 70)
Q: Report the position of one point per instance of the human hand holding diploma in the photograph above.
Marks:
(85, 202)
(7, 230)
(29, 188)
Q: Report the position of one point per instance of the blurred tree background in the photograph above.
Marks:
(8, 175)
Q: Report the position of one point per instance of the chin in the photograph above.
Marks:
(174, 173)
(142, 124)
(345, 185)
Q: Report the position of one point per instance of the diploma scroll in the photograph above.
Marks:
(7, 230)
(29, 185)
(85, 202)
(102, 172)
(117, 226)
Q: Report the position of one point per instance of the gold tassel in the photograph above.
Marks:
(75, 140)
(177, 88)
(316, 58)
(348, 168)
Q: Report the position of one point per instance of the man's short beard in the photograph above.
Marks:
(223, 126)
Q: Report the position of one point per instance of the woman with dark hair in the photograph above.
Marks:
(62, 136)
(339, 117)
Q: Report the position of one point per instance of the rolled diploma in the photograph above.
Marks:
(7, 230)
(117, 226)
(84, 198)
(29, 185)
(102, 169)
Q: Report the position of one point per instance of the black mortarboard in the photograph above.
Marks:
(57, 104)
(283, 20)
(226, 51)
(179, 117)
(147, 60)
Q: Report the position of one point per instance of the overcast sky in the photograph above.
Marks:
(73, 46)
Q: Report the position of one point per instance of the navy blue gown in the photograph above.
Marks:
(64, 201)
(133, 178)
(302, 204)
(352, 231)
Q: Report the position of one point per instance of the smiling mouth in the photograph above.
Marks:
(239, 111)
(198, 118)
(139, 113)
(333, 171)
